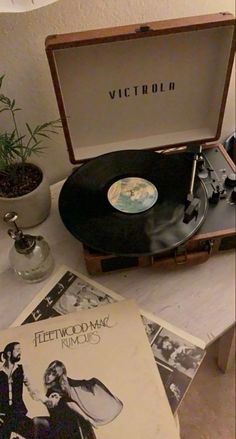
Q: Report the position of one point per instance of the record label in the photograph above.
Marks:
(132, 195)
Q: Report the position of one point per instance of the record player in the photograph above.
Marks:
(142, 108)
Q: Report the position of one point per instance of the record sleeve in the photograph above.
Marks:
(90, 375)
(178, 355)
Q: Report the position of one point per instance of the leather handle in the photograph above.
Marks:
(186, 259)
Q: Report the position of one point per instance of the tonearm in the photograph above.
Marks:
(192, 202)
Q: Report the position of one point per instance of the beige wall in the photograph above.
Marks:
(24, 62)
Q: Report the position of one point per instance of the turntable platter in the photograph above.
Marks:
(131, 203)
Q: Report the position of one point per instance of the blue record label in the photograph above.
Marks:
(132, 195)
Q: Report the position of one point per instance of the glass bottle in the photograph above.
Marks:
(30, 256)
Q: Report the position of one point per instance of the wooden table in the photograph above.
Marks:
(198, 299)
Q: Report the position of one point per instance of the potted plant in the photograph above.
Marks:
(23, 185)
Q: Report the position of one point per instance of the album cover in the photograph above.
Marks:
(86, 375)
(177, 354)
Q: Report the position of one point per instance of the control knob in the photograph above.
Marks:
(233, 195)
(230, 180)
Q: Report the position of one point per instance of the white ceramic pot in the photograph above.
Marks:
(32, 208)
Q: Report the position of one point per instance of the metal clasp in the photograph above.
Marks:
(181, 255)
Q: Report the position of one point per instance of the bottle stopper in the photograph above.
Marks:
(23, 243)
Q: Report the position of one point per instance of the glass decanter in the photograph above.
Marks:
(30, 256)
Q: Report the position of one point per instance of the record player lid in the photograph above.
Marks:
(159, 85)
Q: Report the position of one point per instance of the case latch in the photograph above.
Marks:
(181, 255)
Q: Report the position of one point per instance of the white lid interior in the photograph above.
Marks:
(100, 121)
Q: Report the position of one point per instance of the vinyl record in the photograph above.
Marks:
(132, 202)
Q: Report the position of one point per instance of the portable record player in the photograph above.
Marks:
(141, 107)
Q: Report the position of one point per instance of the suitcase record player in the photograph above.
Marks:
(142, 108)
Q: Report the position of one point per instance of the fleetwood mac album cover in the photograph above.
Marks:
(86, 375)
(177, 354)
